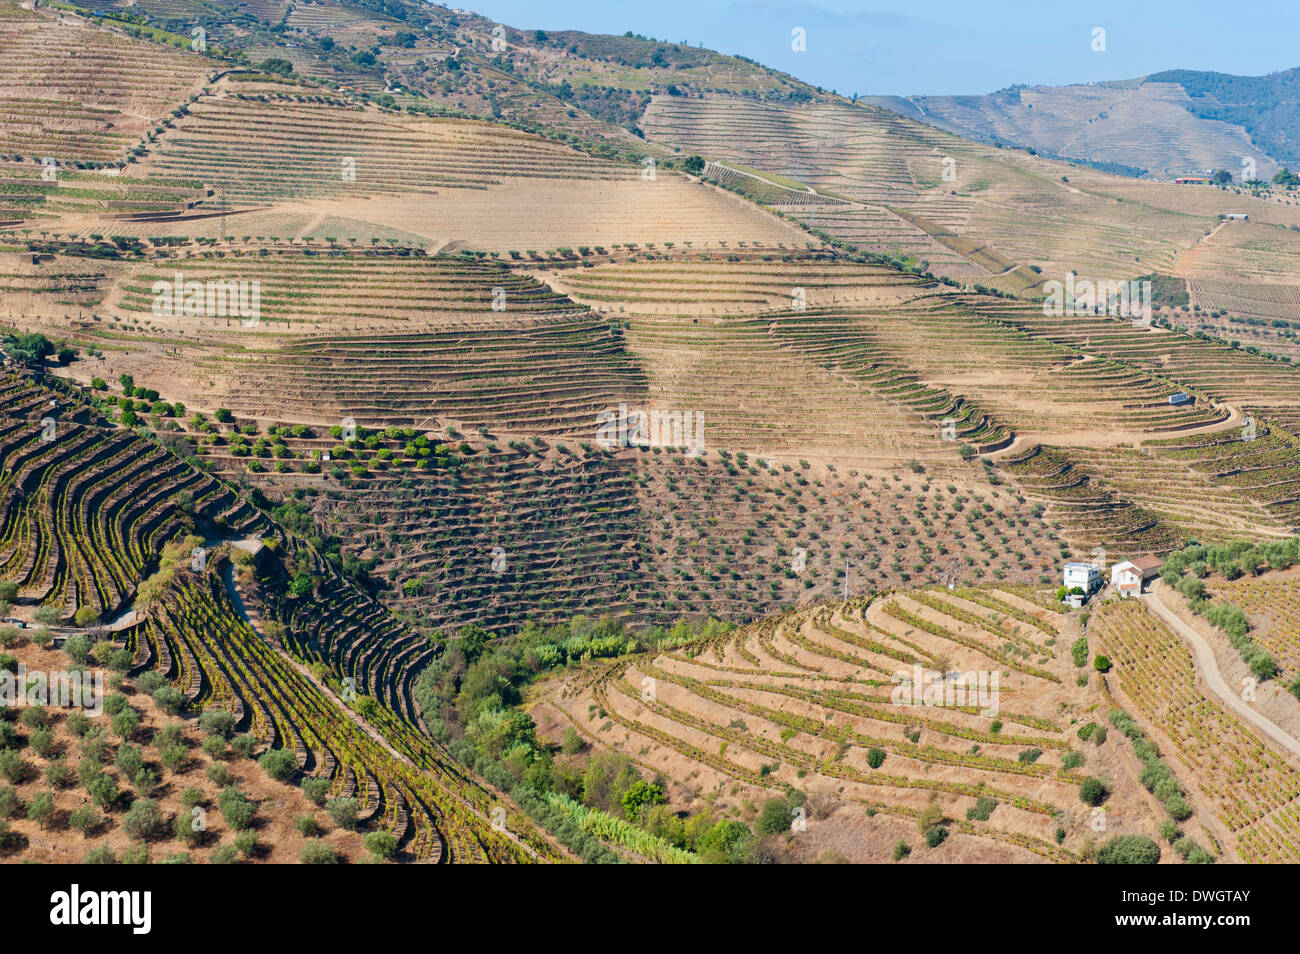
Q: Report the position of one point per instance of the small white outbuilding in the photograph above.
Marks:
(1127, 577)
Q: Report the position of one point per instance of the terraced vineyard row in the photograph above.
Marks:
(822, 700)
(257, 152)
(87, 508)
(79, 94)
(31, 192)
(402, 782)
(1253, 790)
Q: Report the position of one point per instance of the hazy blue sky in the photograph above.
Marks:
(945, 46)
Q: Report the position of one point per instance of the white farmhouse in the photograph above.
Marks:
(1083, 575)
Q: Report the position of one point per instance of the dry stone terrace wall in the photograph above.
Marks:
(1265, 469)
(1162, 482)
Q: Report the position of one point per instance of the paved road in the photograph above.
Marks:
(1205, 662)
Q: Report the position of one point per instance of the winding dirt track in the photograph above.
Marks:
(1208, 668)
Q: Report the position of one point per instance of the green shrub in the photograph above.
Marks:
(382, 845)
(343, 812)
(1092, 792)
(144, 820)
(219, 722)
(280, 764)
(1079, 650)
(315, 789)
(1129, 850)
(318, 853)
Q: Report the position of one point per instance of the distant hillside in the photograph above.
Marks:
(590, 87)
(1160, 126)
(1266, 107)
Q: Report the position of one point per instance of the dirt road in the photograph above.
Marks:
(1209, 669)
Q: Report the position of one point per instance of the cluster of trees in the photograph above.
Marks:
(471, 697)
(276, 65)
(32, 349)
(1232, 560)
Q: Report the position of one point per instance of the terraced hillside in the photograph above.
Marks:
(395, 338)
(103, 522)
(84, 95)
(87, 508)
(825, 701)
(291, 161)
(312, 349)
(1250, 788)
(1075, 411)
(1150, 124)
(972, 212)
(373, 335)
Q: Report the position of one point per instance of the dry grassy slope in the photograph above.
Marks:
(1145, 125)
